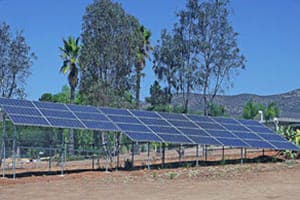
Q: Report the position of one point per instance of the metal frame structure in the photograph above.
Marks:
(140, 126)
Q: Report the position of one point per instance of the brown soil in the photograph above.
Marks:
(248, 181)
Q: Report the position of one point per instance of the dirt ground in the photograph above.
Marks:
(248, 181)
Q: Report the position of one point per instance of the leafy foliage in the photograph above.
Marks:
(251, 110)
(16, 60)
(110, 45)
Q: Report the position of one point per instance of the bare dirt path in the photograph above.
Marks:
(251, 181)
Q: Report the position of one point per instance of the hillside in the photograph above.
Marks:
(289, 103)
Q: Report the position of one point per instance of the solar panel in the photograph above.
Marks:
(151, 121)
(193, 132)
(167, 130)
(91, 116)
(145, 125)
(96, 125)
(15, 102)
(133, 127)
(145, 114)
(114, 111)
(174, 138)
(205, 140)
(84, 109)
(65, 123)
(28, 120)
(259, 144)
(49, 105)
(198, 118)
(180, 123)
(143, 136)
(57, 113)
(31, 111)
(232, 142)
(121, 119)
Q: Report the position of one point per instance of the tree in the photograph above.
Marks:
(70, 55)
(216, 110)
(251, 110)
(16, 60)
(217, 50)
(201, 53)
(159, 98)
(142, 54)
(110, 43)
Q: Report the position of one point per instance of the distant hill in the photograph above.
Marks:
(289, 103)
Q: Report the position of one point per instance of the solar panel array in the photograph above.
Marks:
(147, 126)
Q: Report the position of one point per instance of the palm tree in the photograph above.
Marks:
(141, 56)
(70, 55)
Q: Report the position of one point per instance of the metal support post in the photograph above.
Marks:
(197, 155)
(245, 153)
(148, 155)
(14, 152)
(205, 153)
(132, 156)
(3, 156)
(118, 151)
(62, 153)
(263, 152)
(93, 156)
(163, 154)
(242, 161)
(223, 153)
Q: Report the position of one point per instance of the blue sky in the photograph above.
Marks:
(269, 37)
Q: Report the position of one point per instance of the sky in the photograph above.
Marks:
(268, 30)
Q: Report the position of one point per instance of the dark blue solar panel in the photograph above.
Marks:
(100, 125)
(247, 135)
(259, 144)
(224, 120)
(121, 119)
(175, 138)
(216, 133)
(57, 113)
(66, 123)
(204, 140)
(145, 114)
(21, 110)
(168, 130)
(210, 126)
(272, 137)
(249, 122)
(197, 118)
(15, 102)
(115, 111)
(151, 121)
(260, 129)
(232, 142)
(186, 123)
(285, 145)
(172, 116)
(27, 120)
(133, 127)
(235, 127)
(49, 105)
(143, 136)
(91, 116)
(195, 132)
(86, 109)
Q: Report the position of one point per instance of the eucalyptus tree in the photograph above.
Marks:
(217, 49)
(16, 59)
(109, 48)
(70, 54)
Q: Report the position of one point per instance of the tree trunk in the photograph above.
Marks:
(71, 131)
(137, 88)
